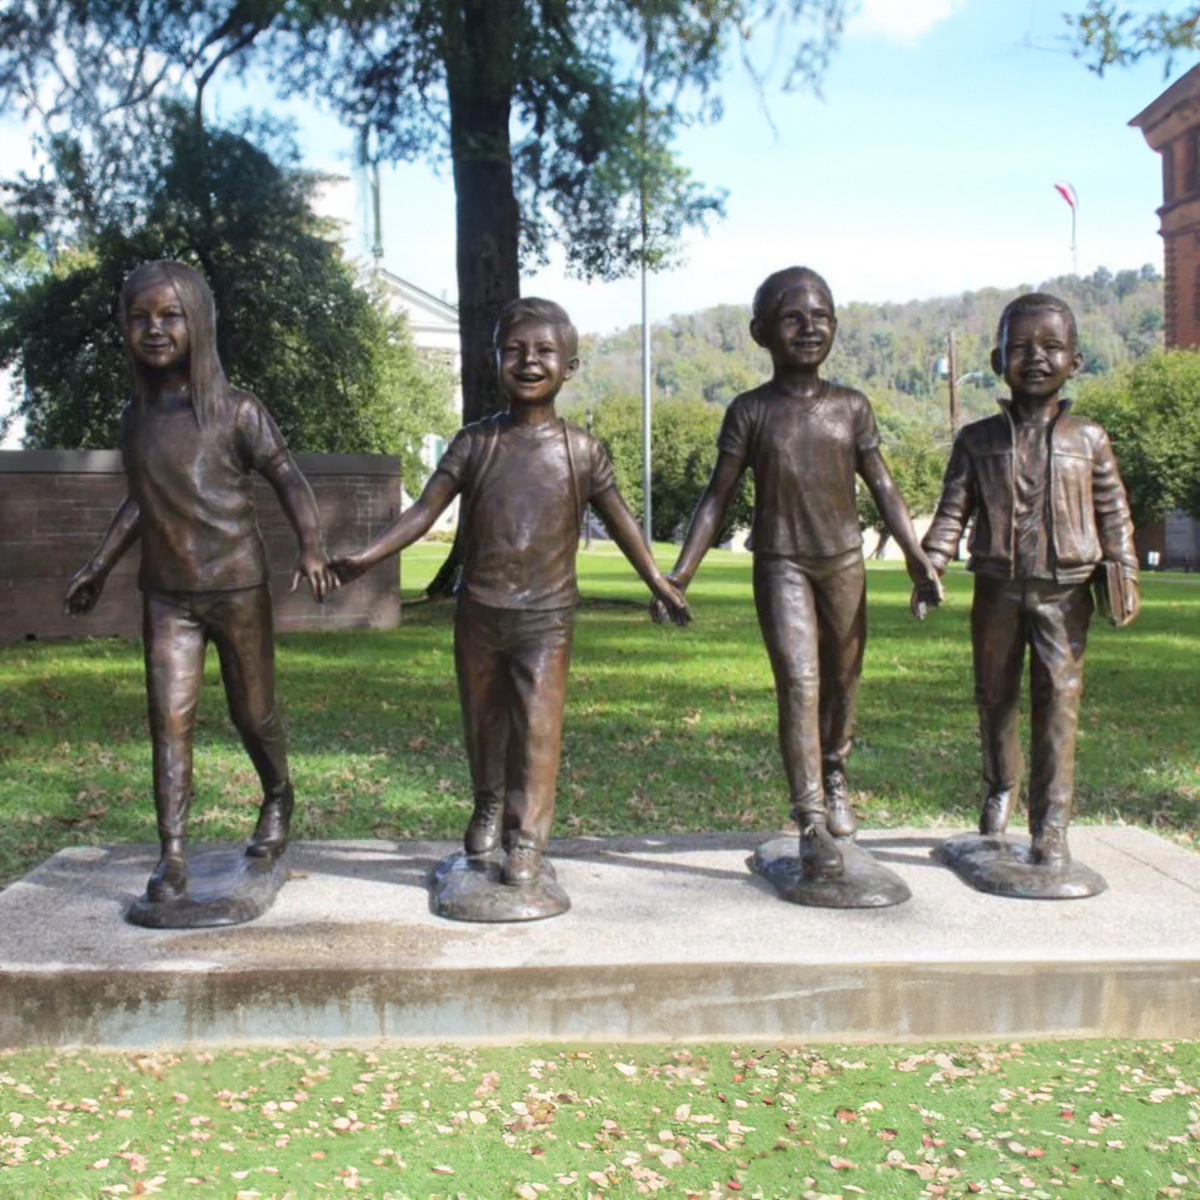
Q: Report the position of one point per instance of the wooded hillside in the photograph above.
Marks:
(890, 351)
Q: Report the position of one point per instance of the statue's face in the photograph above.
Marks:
(800, 332)
(156, 327)
(1038, 354)
(534, 361)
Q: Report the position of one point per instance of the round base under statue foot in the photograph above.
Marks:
(994, 863)
(467, 887)
(225, 887)
(863, 883)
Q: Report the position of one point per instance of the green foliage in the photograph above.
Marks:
(1151, 410)
(917, 462)
(335, 368)
(889, 351)
(683, 453)
(1107, 35)
(593, 91)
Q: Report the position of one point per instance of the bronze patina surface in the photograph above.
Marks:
(525, 478)
(806, 442)
(1047, 509)
(863, 882)
(470, 887)
(189, 442)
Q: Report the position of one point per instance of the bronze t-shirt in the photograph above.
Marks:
(804, 455)
(524, 491)
(195, 493)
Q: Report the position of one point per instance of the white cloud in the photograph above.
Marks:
(903, 21)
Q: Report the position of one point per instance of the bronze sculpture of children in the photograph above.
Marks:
(189, 441)
(1048, 507)
(526, 478)
(806, 439)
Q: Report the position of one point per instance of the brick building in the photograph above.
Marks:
(1171, 125)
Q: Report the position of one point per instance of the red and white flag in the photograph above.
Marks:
(1067, 192)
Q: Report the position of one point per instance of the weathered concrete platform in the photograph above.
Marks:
(666, 939)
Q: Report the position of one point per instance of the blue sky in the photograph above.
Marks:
(928, 168)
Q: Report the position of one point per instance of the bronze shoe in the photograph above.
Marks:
(270, 836)
(522, 864)
(839, 815)
(483, 829)
(169, 879)
(997, 808)
(1049, 848)
(819, 855)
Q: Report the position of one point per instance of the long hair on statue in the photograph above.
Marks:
(206, 376)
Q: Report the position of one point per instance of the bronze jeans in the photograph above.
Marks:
(1052, 618)
(512, 669)
(813, 617)
(176, 630)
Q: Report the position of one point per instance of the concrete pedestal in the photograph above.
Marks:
(666, 939)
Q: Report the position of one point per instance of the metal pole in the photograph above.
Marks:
(646, 503)
(952, 365)
(645, 405)
(587, 515)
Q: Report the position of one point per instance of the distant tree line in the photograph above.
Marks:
(893, 352)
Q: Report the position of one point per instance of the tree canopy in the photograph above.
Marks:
(338, 372)
(1151, 410)
(558, 116)
(1108, 34)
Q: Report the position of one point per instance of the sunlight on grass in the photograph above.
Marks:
(699, 1121)
(667, 730)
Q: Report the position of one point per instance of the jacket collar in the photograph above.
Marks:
(1005, 403)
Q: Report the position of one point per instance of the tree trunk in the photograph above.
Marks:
(480, 40)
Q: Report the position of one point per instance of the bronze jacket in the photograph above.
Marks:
(1088, 511)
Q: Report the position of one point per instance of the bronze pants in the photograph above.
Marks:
(512, 669)
(176, 630)
(813, 617)
(1052, 618)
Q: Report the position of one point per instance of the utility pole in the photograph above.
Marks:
(646, 397)
(587, 514)
(952, 367)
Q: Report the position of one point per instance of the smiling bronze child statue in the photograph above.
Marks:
(526, 478)
(189, 442)
(806, 440)
(1050, 519)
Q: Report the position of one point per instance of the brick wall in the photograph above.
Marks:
(56, 504)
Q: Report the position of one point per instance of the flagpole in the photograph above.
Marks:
(1068, 193)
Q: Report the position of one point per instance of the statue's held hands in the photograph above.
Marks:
(318, 570)
(669, 602)
(927, 590)
(346, 568)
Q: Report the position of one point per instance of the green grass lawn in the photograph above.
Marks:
(1086, 1119)
(667, 730)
